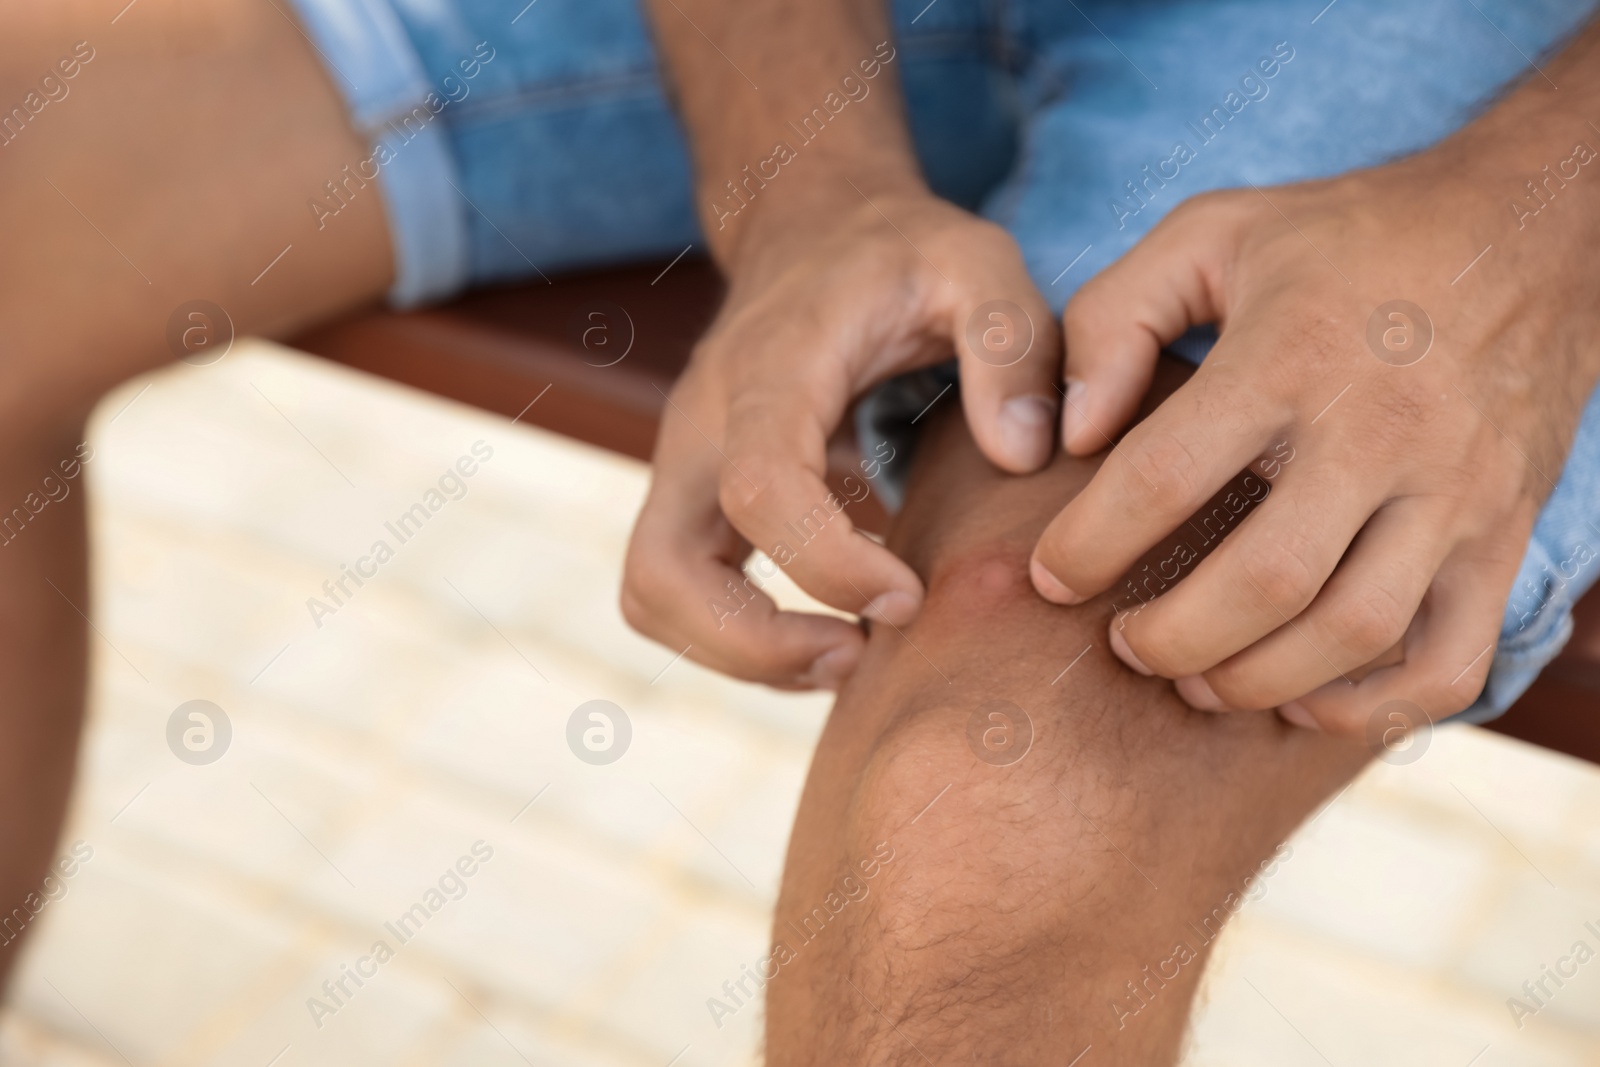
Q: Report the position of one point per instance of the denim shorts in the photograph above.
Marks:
(518, 137)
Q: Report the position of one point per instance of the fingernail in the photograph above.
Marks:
(1025, 423)
(894, 607)
(1119, 645)
(829, 670)
(1050, 587)
(1296, 713)
(1198, 694)
(1072, 418)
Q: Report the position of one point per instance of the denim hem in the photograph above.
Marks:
(379, 74)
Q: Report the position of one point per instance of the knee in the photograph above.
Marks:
(999, 780)
(990, 864)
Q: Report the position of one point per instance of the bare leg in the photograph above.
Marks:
(1037, 907)
(176, 167)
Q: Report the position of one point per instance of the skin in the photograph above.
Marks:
(1381, 564)
(1020, 901)
(1375, 570)
(200, 189)
(850, 261)
(1397, 529)
(1197, 800)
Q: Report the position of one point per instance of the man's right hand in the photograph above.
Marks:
(825, 301)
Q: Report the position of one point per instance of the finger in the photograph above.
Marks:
(683, 586)
(1448, 649)
(1263, 573)
(772, 491)
(1155, 478)
(1119, 321)
(1361, 613)
(1010, 357)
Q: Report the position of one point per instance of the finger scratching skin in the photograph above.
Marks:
(1049, 586)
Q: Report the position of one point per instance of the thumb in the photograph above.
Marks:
(1119, 321)
(1010, 356)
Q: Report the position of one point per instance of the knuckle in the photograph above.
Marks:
(1209, 203)
(1165, 471)
(640, 599)
(1189, 209)
(1241, 688)
(1447, 701)
(1280, 570)
(1460, 485)
(994, 238)
(1342, 720)
(1368, 622)
(642, 579)
(634, 612)
(1213, 199)
(1167, 646)
(755, 662)
(703, 351)
(1440, 699)
(1467, 684)
(1497, 477)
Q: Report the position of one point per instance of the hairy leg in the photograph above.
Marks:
(173, 165)
(938, 906)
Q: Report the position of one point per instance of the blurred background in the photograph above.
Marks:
(364, 757)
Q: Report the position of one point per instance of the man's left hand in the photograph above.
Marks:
(1425, 434)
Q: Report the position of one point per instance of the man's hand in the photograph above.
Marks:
(823, 305)
(843, 270)
(1379, 565)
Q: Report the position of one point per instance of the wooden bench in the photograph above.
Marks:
(594, 354)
